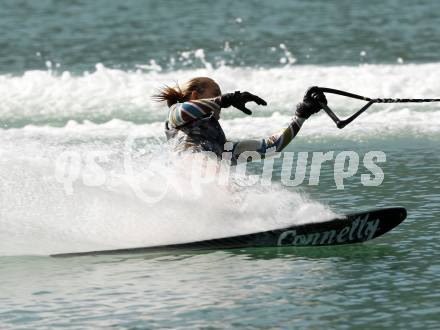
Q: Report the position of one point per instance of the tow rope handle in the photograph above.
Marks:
(341, 123)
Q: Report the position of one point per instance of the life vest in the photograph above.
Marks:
(203, 134)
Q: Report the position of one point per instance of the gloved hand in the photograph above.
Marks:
(238, 100)
(310, 104)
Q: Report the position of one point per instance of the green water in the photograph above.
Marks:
(79, 34)
(77, 76)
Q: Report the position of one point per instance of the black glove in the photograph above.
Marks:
(310, 103)
(238, 100)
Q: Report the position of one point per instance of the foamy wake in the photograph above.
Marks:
(45, 97)
(39, 217)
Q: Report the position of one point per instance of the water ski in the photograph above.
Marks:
(352, 228)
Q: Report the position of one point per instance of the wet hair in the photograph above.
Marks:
(173, 95)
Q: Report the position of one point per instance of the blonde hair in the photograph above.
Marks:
(173, 95)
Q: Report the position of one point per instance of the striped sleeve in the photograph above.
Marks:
(182, 113)
(274, 143)
(281, 139)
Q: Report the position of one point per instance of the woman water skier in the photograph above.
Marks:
(194, 112)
